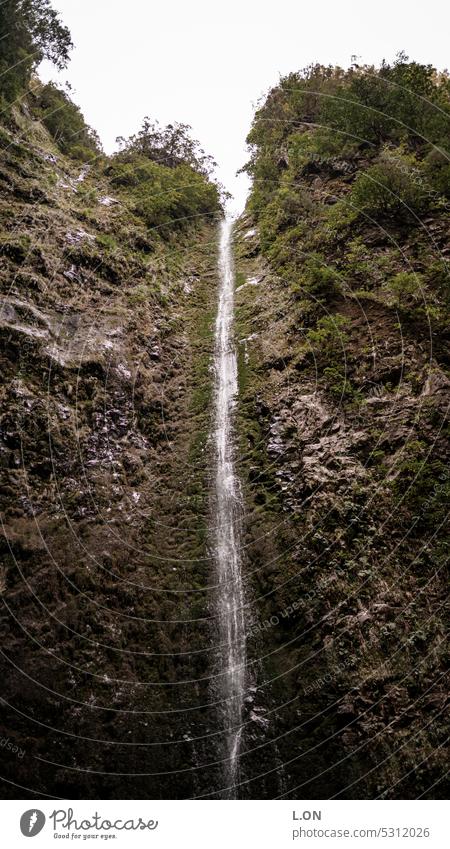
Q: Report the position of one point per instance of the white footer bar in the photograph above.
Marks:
(224, 824)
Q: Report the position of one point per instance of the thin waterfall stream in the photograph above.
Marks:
(227, 517)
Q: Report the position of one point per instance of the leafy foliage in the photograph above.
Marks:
(30, 30)
(318, 278)
(405, 288)
(328, 342)
(392, 186)
(350, 181)
(167, 177)
(329, 333)
(66, 124)
(164, 197)
(334, 152)
(437, 170)
(163, 173)
(169, 146)
(316, 115)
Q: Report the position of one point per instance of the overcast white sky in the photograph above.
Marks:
(207, 63)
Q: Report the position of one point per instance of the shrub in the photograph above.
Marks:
(338, 218)
(405, 289)
(166, 175)
(319, 278)
(165, 198)
(437, 169)
(395, 103)
(66, 124)
(328, 340)
(391, 187)
(324, 111)
(329, 335)
(288, 206)
(438, 278)
(170, 146)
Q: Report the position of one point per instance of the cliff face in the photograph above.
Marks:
(106, 329)
(345, 548)
(105, 343)
(343, 438)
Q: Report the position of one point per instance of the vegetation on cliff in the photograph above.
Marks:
(342, 297)
(334, 153)
(166, 176)
(163, 173)
(107, 279)
(30, 30)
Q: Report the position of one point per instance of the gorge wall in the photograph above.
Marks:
(342, 292)
(106, 344)
(109, 295)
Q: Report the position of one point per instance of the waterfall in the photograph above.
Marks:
(226, 514)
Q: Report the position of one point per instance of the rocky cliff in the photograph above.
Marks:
(108, 296)
(343, 437)
(105, 351)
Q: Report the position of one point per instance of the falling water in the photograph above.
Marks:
(227, 516)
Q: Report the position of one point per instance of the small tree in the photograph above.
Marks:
(30, 31)
(169, 146)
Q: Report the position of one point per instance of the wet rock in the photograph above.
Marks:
(107, 200)
(77, 236)
(154, 352)
(257, 716)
